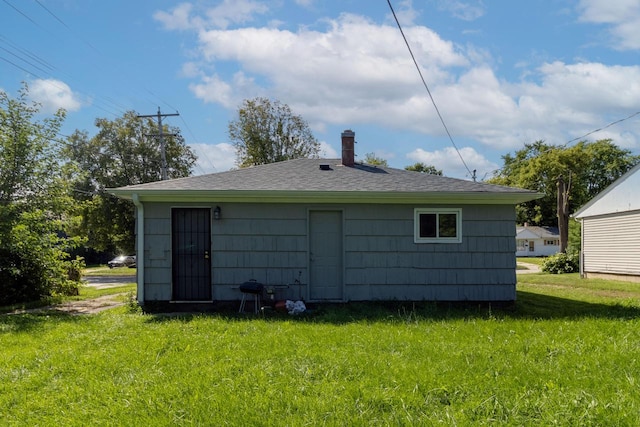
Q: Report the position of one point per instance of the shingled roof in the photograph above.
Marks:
(542, 232)
(322, 178)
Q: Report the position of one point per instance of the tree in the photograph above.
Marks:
(268, 131)
(372, 159)
(586, 168)
(424, 168)
(123, 152)
(35, 204)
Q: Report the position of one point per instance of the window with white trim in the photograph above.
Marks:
(437, 225)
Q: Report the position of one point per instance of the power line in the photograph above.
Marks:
(196, 139)
(87, 43)
(424, 82)
(160, 135)
(24, 15)
(583, 136)
(34, 61)
(17, 50)
(602, 128)
(66, 26)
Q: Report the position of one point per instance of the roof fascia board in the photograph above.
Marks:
(325, 196)
(583, 211)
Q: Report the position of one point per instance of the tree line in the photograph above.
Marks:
(53, 203)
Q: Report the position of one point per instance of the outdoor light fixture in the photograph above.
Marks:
(217, 213)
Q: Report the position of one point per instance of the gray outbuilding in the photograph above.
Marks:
(349, 231)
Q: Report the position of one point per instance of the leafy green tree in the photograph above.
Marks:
(372, 159)
(268, 131)
(123, 152)
(35, 204)
(424, 168)
(587, 167)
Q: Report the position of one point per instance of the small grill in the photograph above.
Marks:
(251, 288)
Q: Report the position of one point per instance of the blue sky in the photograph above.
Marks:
(502, 72)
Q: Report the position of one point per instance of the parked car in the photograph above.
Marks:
(123, 261)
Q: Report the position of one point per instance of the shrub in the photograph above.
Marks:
(562, 263)
(34, 260)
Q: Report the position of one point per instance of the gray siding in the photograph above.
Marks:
(383, 262)
(611, 244)
(269, 243)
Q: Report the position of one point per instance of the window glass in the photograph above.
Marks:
(437, 225)
(428, 225)
(447, 225)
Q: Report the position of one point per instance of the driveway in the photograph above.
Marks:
(530, 268)
(103, 282)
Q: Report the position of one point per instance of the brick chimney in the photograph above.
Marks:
(348, 152)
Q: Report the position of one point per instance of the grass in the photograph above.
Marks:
(103, 270)
(86, 292)
(566, 354)
(532, 260)
(90, 293)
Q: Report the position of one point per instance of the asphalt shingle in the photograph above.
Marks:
(324, 175)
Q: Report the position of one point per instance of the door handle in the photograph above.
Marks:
(206, 254)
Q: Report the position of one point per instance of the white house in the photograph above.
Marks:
(532, 241)
(611, 230)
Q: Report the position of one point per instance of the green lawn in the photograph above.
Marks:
(566, 354)
(532, 260)
(103, 270)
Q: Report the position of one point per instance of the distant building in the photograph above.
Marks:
(532, 241)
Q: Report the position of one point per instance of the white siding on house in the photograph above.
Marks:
(621, 196)
(541, 247)
(536, 241)
(611, 244)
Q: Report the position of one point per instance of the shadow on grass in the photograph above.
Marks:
(35, 321)
(528, 306)
(540, 306)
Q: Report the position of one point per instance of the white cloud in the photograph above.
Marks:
(465, 10)
(178, 18)
(449, 162)
(186, 17)
(53, 94)
(214, 89)
(406, 14)
(623, 17)
(355, 71)
(304, 3)
(328, 152)
(235, 12)
(214, 157)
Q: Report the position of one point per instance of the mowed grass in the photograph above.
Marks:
(566, 354)
(532, 260)
(103, 270)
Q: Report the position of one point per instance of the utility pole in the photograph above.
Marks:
(160, 135)
(563, 211)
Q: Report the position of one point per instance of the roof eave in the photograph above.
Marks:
(283, 196)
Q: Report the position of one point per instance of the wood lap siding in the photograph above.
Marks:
(269, 243)
(383, 262)
(612, 244)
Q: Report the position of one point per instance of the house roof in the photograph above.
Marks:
(325, 179)
(540, 232)
(623, 195)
